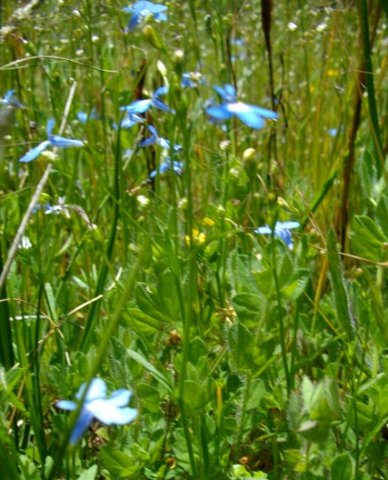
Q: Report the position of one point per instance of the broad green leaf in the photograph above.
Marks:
(193, 396)
(343, 467)
(149, 396)
(89, 474)
(240, 344)
(119, 464)
(249, 308)
(296, 285)
(255, 396)
(142, 317)
(367, 238)
(148, 302)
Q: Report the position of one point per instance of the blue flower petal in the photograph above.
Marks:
(142, 9)
(281, 230)
(246, 114)
(120, 398)
(83, 422)
(49, 127)
(148, 141)
(263, 112)
(97, 389)
(287, 225)
(162, 142)
(66, 404)
(82, 117)
(252, 120)
(220, 112)
(227, 92)
(160, 17)
(135, 19)
(130, 120)
(263, 230)
(138, 106)
(285, 235)
(34, 152)
(160, 91)
(157, 103)
(110, 414)
(61, 142)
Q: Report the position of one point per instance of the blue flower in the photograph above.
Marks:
(142, 10)
(110, 411)
(249, 114)
(191, 79)
(141, 106)
(53, 140)
(175, 166)
(130, 120)
(282, 231)
(154, 138)
(10, 99)
(83, 117)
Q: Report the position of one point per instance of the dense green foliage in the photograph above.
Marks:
(246, 359)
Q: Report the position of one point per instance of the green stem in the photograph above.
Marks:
(93, 312)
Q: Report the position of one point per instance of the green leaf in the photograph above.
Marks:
(89, 474)
(338, 284)
(296, 285)
(119, 464)
(343, 467)
(141, 317)
(148, 302)
(240, 344)
(159, 377)
(382, 212)
(150, 398)
(367, 238)
(193, 396)
(248, 308)
(255, 396)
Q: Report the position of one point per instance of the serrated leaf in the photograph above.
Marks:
(240, 344)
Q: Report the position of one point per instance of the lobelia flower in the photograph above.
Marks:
(83, 117)
(141, 106)
(249, 114)
(10, 99)
(154, 138)
(142, 10)
(110, 411)
(191, 79)
(282, 231)
(130, 120)
(175, 166)
(53, 140)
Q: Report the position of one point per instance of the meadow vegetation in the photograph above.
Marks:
(194, 240)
